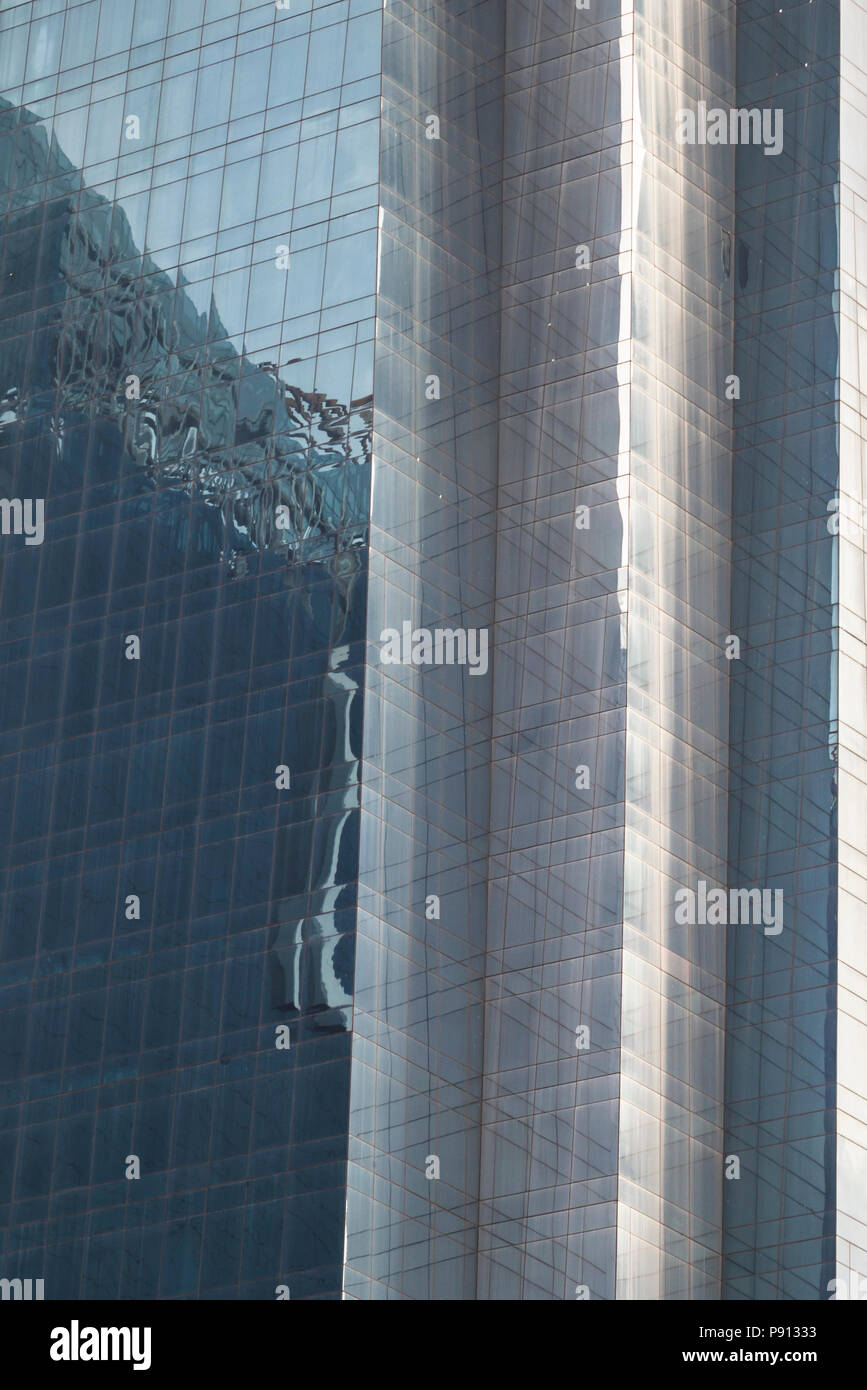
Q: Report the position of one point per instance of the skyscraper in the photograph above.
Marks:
(183, 655)
(432, 632)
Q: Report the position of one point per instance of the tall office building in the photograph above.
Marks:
(433, 632)
(189, 251)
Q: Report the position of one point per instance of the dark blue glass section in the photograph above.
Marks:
(780, 1045)
(166, 905)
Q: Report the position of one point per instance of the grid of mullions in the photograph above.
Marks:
(152, 1031)
(783, 1015)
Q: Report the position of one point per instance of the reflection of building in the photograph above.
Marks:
(616, 391)
(206, 503)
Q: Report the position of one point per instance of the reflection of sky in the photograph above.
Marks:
(249, 141)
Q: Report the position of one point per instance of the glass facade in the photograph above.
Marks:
(327, 973)
(420, 975)
(782, 1001)
(849, 1028)
(188, 277)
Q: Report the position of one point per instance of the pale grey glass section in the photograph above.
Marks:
(672, 1053)
(549, 1146)
(851, 1091)
(413, 1186)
